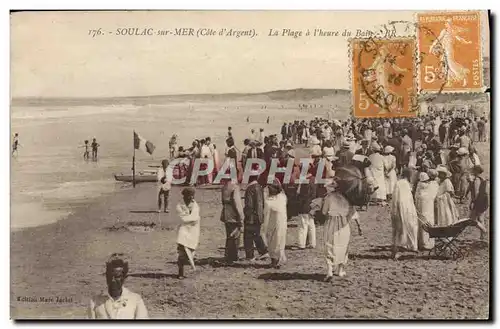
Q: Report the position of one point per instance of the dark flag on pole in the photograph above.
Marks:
(141, 143)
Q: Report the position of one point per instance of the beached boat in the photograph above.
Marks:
(146, 176)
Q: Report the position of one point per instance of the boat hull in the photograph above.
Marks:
(138, 178)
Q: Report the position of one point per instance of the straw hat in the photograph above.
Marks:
(455, 146)
(328, 152)
(432, 173)
(388, 149)
(288, 144)
(462, 151)
(443, 169)
(315, 140)
(423, 177)
(376, 147)
(316, 152)
(346, 145)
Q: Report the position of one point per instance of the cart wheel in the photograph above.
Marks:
(438, 249)
(464, 253)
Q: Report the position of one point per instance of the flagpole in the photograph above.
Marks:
(133, 165)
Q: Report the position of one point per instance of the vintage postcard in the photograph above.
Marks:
(250, 165)
(451, 53)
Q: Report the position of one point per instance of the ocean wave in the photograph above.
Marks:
(74, 190)
(52, 113)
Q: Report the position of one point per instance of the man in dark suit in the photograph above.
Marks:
(344, 155)
(254, 218)
(232, 217)
(284, 131)
(231, 153)
(364, 150)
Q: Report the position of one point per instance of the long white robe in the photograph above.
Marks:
(390, 176)
(188, 233)
(404, 217)
(275, 219)
(425, 195)
(446, 211)
(337, 231)
(377, 168)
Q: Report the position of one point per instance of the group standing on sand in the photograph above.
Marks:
(402, 161)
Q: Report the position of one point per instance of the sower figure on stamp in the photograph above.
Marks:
(443, 45)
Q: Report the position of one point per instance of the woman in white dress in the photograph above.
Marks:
(275, 222)
(404, 217)
(337, 231)
(378, 169)
(306, 135)
(446, 211)
(425, 196)
(315, 148)
(188, 232)
(390, 170)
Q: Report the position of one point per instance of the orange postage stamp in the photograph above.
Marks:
(382, 74)
(450, 51)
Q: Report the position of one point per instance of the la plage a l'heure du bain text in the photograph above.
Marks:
(224, 32)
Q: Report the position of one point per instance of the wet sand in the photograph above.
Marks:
(66, 260)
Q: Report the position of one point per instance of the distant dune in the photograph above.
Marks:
(298, 95)
(338, 97)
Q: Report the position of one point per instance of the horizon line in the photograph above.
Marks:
(173, 95)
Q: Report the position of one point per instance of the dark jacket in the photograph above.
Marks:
(258, 152)
(344, 158)
(232, 207)
(307, 193)
(231, 153)
(284, 130)
(254, 204)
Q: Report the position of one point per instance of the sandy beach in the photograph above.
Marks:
(55, 269)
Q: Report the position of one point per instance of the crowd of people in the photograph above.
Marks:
(419, 167)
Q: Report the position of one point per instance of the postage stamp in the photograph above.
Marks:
(454, 38)
(382, 74)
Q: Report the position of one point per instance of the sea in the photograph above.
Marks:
(50, 178)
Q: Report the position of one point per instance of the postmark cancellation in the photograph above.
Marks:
(382, 77)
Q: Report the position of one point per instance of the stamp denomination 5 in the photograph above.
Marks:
(452, 39)
(382, 77)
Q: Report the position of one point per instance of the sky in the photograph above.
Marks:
(53, 55)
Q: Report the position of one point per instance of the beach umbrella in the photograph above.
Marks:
(353, 185)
